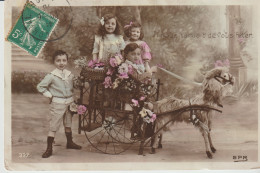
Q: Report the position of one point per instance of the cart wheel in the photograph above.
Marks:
(119, 125)
(108, 133)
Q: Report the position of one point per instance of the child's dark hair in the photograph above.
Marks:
(128, 28)
(102, 31)
(57, 53)
(130, 47)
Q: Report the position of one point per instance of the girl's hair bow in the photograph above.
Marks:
(126, 26)
(102, 21)
(224, 63)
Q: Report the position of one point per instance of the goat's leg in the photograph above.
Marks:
(152, 141)
(155, 139)
(160, 141)
(206, 140)
(209, 136)
(211, 145)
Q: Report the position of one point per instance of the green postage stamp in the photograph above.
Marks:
(32, 29)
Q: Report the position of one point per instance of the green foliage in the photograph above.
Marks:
(80, 38)
(246, 91)
(164, 30)
(26, 81)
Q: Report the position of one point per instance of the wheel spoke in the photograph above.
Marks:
(116, 134)
(121, 135)
(114, 145)
(96, 133)
(101, 137)
(107, 143)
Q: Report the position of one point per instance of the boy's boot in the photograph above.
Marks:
(48, 151)
(70, 143)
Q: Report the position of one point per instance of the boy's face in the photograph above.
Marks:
(61, 62)
(135, 34)
(134, 56)
(110, 25)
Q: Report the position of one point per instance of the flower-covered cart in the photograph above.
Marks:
(117, 113)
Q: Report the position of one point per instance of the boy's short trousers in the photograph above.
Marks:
(58, 113)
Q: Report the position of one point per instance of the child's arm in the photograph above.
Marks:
(147, 67)
(96, 48)
(141, 77)
(146, 56)
(42, 87)
(95, 57)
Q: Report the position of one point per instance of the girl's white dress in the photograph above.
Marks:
(107, 46)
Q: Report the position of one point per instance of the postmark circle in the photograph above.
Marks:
(40, 25)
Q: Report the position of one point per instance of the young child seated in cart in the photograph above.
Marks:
(132, 54)
(135, 34)
(58, 87)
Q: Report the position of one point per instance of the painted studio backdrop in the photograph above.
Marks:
(186, 40)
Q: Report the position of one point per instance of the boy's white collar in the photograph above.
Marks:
(58, 72)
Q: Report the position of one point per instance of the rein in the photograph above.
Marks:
(224, 81)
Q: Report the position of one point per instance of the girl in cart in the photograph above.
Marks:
(132, 53)
(135, 35)
(108, 41)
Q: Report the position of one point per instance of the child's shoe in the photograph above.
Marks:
(70, 143)
(48, 151)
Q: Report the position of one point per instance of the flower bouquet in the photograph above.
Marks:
(92, 70)
(77, 109)
(147, 115)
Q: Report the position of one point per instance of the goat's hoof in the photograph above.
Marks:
(209, 154)
(213, 149)
(152, 151)
(159, 145)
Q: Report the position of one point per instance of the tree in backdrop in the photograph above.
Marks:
(169, 31)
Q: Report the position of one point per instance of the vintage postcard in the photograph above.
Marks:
(131, 85)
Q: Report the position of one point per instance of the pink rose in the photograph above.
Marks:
(110, 71)
(99, 64)
(153, 118)
(218, 63)
(123, 76)
(91, 63)
(81, 109)
(135, 102)
(108, 82)
(113, 62)
(226, 63)
(130, 69)
(142, 98)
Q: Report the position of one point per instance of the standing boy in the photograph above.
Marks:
(58, 87)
